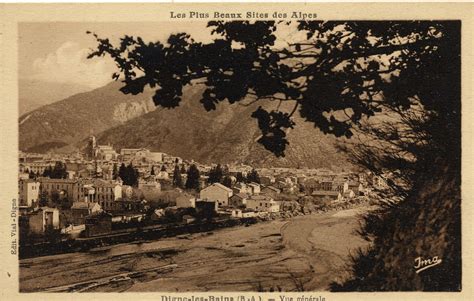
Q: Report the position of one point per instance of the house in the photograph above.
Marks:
(254, 187)
(80, 210)
(355, 186)
(69, 189)
(267, 180)
(326, 195)
(155, 156)
(44, 219)
(217, 192)
(28, 192)
(262, 203)
(241, 188)
(188, 219)
(348, 194)
(105, 152)
(185, 201)
(248, 213)
(150, 185)
(98, 224)
(238, 200)
(270, 190)
(162, 175)
(236, 213)
(206, 205)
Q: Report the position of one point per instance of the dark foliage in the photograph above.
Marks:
(215, 174)
(59, 171)
(177, 179)
(253, 176)
(192, 180)
(128, 174)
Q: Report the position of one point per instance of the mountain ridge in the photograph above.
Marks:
(225, 135)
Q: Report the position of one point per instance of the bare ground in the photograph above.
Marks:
(302, 253)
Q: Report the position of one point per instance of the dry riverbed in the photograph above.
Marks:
(301, 253)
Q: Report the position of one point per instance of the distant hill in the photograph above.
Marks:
(36, 93)
(66, 122)
(225, 135)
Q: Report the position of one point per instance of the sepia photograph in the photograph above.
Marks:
(261, 152)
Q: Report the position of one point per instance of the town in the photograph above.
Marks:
(102, 192)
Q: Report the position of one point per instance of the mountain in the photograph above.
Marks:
(66, 122)
(36, 93)
(225, 135)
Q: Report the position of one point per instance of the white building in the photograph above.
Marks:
(217, 192)
(28, 192)
(262, 203)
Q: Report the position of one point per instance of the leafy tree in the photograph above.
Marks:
(43, 199)
(253, 176)
(192, 180)
(59, 171)
(122, 172)
(240, 177)
(227, 181)
(55, 198)
(128, 174)
(393, 87)
(215, 174)
(152, 172)
(47, 171)
(115, 172)
(132, 175)
(183, 169)
(177, 179)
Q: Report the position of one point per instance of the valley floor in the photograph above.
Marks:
(302, 253)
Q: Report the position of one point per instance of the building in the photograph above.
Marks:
(217, 192)
(36, 167)
(262, 203)
(70, 189)
(206, 205)
(44, 219)
(156, 157)
(355, 186)
(254, 188)
(98, 224)
(326, 195)
(267, 180)
(241, 188)
(238, 200)
(185, 201)
(28, 192)
(107, 192)
(188, 219)
(149, 185)
(105, 152)
(80, 210)
(270, 190)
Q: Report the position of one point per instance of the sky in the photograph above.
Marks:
(56, 52)
(53, 60)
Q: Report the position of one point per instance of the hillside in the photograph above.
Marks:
(36, 93)
(225, 135)
(66, 122)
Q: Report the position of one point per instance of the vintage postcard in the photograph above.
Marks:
(236, 152)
